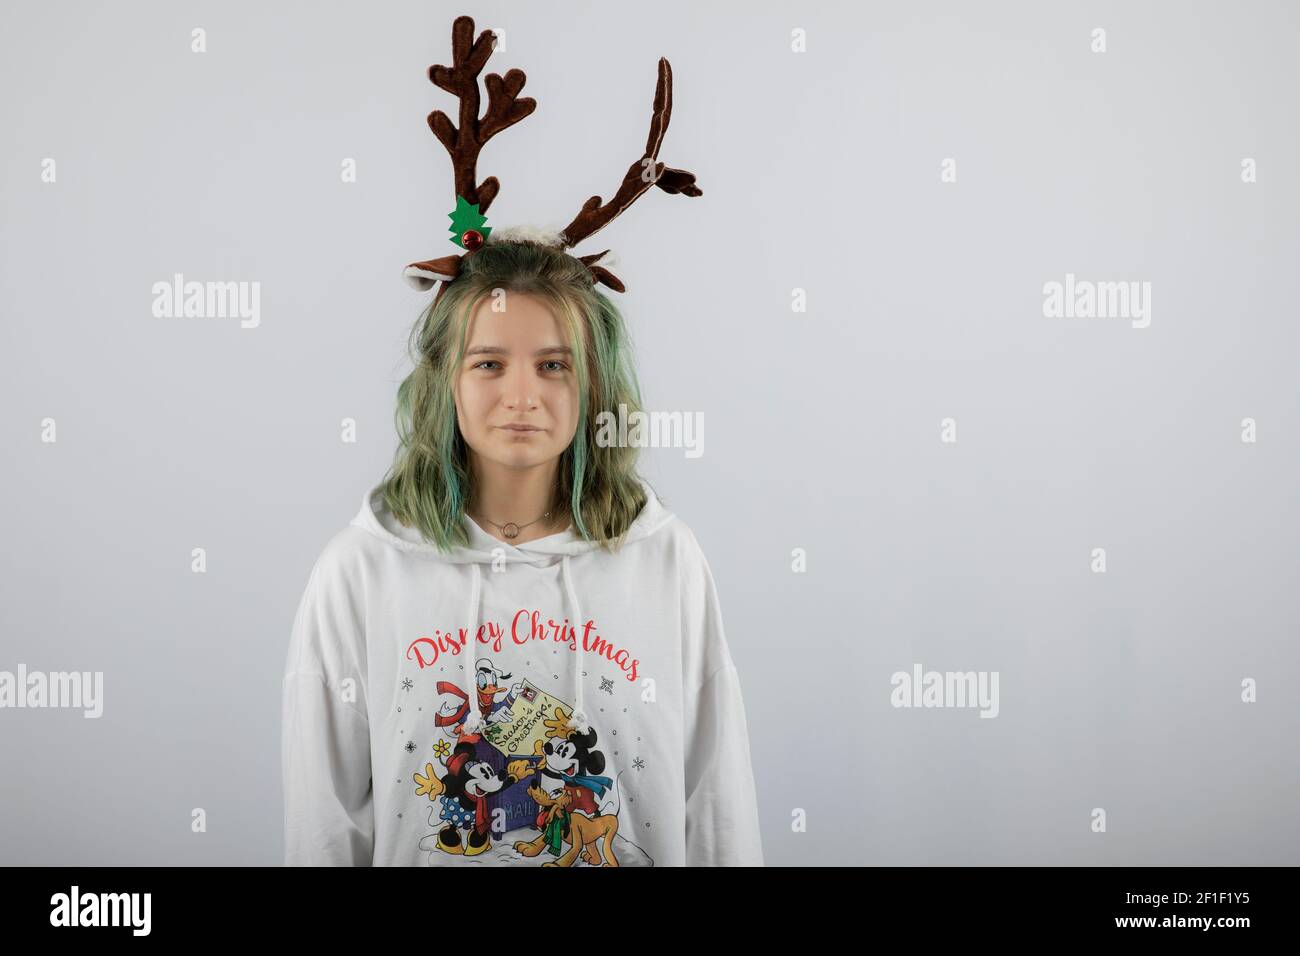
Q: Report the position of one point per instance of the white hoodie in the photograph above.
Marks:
(609, 725)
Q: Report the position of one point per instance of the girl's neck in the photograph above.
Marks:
(523, 497)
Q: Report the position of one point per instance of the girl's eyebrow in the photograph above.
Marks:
(496, 349)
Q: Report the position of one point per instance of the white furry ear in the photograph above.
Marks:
(539, 234)
(421, 278)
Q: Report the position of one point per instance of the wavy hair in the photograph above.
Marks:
(430, 481)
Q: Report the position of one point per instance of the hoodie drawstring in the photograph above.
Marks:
(579, 718)
(474, 719)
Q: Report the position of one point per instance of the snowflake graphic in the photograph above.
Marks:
(607, 685)
(638, 763)
(410, 746)
(408, 684)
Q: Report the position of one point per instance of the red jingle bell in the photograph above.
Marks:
(471, 239)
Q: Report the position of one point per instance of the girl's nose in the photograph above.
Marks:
(522, 395)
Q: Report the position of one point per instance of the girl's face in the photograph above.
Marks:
(517, 371)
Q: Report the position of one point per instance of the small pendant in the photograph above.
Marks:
(510, 530)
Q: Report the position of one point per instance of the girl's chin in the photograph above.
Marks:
(522, 455)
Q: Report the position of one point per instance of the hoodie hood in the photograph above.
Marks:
(375, 518)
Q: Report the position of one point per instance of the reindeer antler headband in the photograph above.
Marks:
(505, 108)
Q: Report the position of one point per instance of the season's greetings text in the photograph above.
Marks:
(525, 626)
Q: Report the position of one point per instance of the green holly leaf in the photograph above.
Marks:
(466, 217)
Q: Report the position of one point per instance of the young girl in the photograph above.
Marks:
(515, 653)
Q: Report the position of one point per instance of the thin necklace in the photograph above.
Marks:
(511, 530)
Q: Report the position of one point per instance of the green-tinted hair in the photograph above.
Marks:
(430, 481)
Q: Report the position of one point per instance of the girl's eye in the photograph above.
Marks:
(556, 362)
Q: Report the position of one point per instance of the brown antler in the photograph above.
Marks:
(638, 179)
(505, 108)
